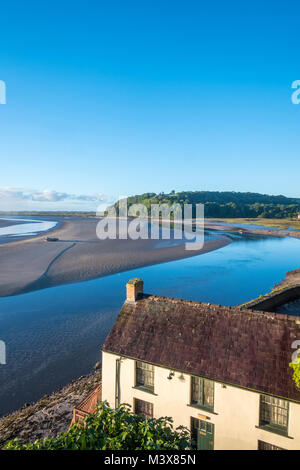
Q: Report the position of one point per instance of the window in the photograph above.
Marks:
(274, 413)
(145, 376)
(202, 392)
(265, 446)
(143, 408)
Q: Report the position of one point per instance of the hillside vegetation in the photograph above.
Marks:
(225, 204)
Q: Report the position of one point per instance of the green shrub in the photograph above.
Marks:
(118, 429)
(296, 368)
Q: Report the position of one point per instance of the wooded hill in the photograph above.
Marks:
(228, 204)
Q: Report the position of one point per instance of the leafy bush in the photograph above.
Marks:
(296, 367)
(118, 429)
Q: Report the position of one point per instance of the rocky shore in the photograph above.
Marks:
(291, 278)
(49, 416)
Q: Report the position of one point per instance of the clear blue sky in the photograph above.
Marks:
(123, 97)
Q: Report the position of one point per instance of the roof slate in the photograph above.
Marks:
(237, 346)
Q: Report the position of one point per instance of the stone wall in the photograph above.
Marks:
(278, 297)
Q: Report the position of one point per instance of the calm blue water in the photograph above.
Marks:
(30, 227)
(55, 335)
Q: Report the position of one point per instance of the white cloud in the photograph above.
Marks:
(18, 199)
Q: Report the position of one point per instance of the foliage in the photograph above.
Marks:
(226, 204)
(295, 365)
(114, 430)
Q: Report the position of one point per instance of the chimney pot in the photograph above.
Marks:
(134, 288)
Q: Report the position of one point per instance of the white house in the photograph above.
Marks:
(222, 372)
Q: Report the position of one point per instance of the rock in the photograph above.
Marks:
(49, 416)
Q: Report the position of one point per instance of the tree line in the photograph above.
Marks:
(228, 204)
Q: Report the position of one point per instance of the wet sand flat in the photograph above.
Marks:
(79, 255)
(8, 223)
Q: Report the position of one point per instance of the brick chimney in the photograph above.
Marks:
(134, 287)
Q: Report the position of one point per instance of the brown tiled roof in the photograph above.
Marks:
(239, 347)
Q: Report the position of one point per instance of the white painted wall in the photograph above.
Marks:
(236, 410)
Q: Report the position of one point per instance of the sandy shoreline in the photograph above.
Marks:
(266, 232)
(33, 263)
(276, 233)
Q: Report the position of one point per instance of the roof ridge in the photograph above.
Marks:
(234, 308)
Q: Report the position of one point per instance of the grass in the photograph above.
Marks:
(282, 223)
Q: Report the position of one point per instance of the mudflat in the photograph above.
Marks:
(78, 255)
(8, 223)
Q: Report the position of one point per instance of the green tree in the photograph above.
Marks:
(226, 204)
(295, 365)
(110, 429)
